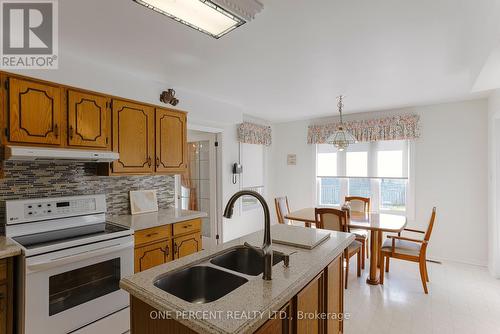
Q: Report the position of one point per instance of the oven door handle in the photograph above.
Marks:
(62, 260)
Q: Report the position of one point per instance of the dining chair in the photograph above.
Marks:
(282, 209)
(409, 249)
(336, 220)
(360, 204)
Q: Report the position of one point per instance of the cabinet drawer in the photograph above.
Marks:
(152, 234)
(188, 226)
(3, 270)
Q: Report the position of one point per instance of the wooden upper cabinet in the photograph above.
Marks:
(133, 137)
(88, 118)
(171, 141)
(35, 112)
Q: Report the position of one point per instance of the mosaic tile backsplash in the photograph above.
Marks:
(52, 179)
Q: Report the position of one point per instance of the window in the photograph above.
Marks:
(357, 163)
(327, 164)
(360, 187)
(377, 170)
(330, 191)
(392, 195)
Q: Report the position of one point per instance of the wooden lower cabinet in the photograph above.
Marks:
(6, 296)
(152, 255)
(161, 244)
(281, 323)
(187, 245)
(309, 304)
(334, 295)
(313, 310)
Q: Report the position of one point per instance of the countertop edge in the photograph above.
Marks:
(8, 248)
(156, 219)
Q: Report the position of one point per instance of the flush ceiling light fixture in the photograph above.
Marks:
(341, 138)
(212, 17)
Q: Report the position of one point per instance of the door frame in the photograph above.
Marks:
(215, 184)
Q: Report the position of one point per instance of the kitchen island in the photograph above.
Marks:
(299, 298)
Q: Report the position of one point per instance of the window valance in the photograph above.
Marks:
(251, 133)
(404, 127)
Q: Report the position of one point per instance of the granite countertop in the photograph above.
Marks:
(254, 297)
(8, 248)
(153, 219)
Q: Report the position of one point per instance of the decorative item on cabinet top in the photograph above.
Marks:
(168, 97)
(143, 138)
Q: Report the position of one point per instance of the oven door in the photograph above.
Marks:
(70, 288)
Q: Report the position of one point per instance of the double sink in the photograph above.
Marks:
(203, 284)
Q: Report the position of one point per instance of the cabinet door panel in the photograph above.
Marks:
(3, 309)
(152, 255)
(170, 141)
(335, 294)
(88, 118)
(279, 324)
(309, 302)
(186, 245)
(133, 137)
(34, 112)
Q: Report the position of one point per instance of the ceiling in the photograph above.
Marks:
(296, 56)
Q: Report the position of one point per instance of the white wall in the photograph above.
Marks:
(494, 184)
(450, 173)
(248, 221)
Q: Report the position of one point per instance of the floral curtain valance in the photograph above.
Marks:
(389, 128)
(251, 133)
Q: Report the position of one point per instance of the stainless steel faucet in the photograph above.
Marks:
(265, 251)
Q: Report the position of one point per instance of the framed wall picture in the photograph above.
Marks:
(142, 201)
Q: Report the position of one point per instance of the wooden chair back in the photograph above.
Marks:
(358, 203)
(282, 208)
(331, 219)
(431, 225)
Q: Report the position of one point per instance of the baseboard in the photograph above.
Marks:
(442, 259)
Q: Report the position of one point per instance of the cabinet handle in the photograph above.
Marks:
(175, 248)
(151, 234)
(157, 162)
(149, 161)
(186, 226)
(71, 132)
(56, 131)
(167, 251)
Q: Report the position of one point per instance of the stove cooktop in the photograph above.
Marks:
(49, 238)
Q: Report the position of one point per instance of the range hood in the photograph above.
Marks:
(25, 153)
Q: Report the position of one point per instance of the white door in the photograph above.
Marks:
(197, 189)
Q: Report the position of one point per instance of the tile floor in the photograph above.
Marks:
(462, 299)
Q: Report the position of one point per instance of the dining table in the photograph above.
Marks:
(375, 223)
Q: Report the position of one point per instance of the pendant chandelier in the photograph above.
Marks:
(341, 138)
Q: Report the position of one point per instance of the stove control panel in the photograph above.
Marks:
(57, 208)
(19, 211)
